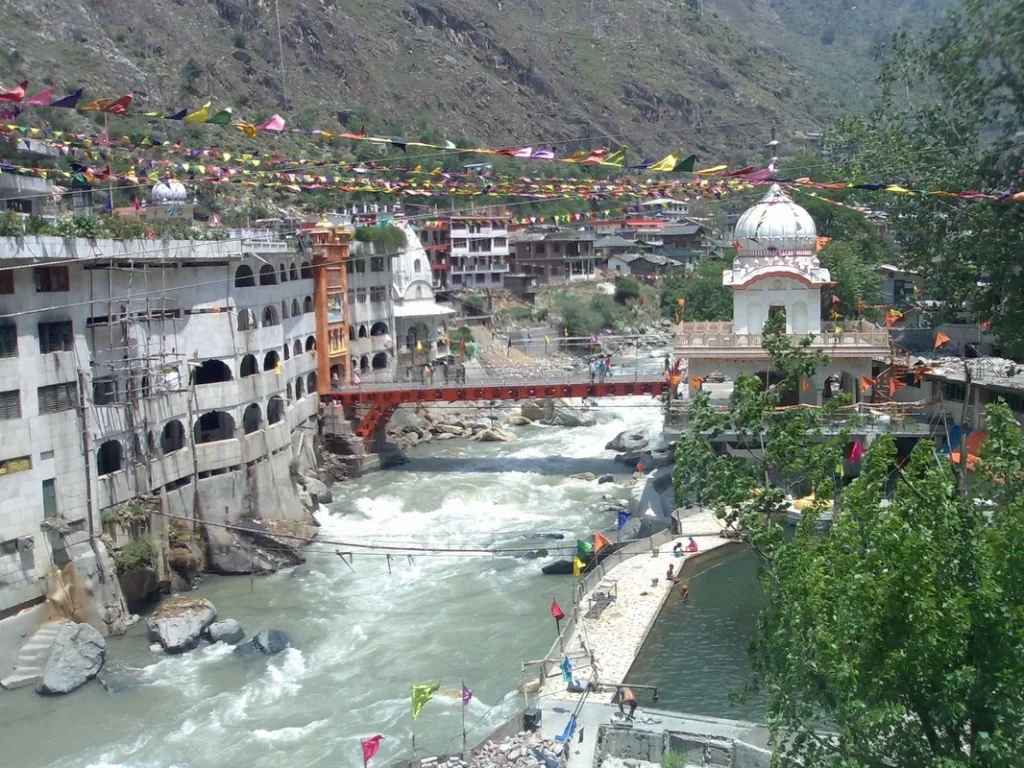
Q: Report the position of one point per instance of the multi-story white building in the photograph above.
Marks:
(479, 251)
(183, 371)
(371, 312)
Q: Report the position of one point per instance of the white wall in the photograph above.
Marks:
(802, 304)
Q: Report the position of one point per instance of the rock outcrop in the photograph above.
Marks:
(524, 750)
(225, 631)
(78, 654)
(583, 476)
(179, 623)
(317, 490)
(627, 441)
(259, 546)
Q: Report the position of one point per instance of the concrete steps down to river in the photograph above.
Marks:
(32, 657)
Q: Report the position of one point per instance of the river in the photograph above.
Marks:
(362, 635)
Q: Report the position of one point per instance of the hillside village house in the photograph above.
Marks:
(642, 264)
(555, 257)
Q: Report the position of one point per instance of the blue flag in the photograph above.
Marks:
(567, 734)
(566, 669)
(623, 517)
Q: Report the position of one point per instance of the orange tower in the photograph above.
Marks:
(330, 279)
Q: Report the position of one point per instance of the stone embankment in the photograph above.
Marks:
(523, 750)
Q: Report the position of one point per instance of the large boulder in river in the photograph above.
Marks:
(268, 642)
(226, 631)
(557, 412)
(319, 490)
(627, 441)
(494, 435)
(77, 655)
(179, 623)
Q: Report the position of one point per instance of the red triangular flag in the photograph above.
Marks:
(600, 541)
(856, 451)
(15, 95)
(370, 747)
(118, 106)
(556, 611)
(41, 99)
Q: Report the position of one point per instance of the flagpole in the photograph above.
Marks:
(463, 717)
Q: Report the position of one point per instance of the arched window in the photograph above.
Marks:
(295, 308)
(284, 310)
(270, 316)
(283, 273)
(252, 418)
(311, 383)
(307, 306)
(416, 265)
(380, 361)
(297, 348)
(293, 273)
(211, 372)
(270, 360)
(362, 331)
(267, 275)
(109, 458)
(379, 329)
(275, 409)
(287, 352)
(364, 363)
(307, 271)
(246, 320)
(288, 389)
(248, 367)
(299, 393)
(213, 426)
(244, 278)
(351, 333)
(172, 437)
(138, 455)
(310, 343)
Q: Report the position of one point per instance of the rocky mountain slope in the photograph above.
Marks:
(654, 74)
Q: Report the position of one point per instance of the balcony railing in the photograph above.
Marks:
(717, 336)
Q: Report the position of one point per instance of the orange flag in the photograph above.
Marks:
(940, 339)
(600, 541)
(920, 371)
(696, 381)
(866, 383)
(894, 385)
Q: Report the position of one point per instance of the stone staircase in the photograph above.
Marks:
(32, 657)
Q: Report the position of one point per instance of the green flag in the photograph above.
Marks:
(685, 165)
(221, 118)
(421, 694)
(583, 549)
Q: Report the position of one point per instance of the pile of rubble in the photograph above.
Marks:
(524, 750)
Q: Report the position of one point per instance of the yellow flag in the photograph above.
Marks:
(95, 106)
(711, 171)
(616, 158)
(577, 567)
(279, 368)
(667, 163)
(419, 346)
(200, 116)
(421, 694)
(547, 340)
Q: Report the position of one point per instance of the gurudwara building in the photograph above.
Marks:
(776, 271)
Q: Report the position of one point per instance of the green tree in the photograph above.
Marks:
(706, 297)
(952, 106)
(857, 284)
(902, 631)
(191, 71)
(626, 289)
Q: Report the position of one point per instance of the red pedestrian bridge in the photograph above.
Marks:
(373, 404)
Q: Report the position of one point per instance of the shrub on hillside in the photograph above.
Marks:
(626, 288)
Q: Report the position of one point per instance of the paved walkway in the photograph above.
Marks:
(615, 638)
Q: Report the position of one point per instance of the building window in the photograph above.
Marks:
(10, 404)
(459, 243)
(360, 266)
(49, 498)
(953, 390)
(8, 341)
(10, 466)
(376, 263)
(416, 266)
(104, 391)
(495, 277)
(6, 281)
(500, 242)
(57, 397)
(51, 279)
(377, 294)
(56, 337)
(361, 295)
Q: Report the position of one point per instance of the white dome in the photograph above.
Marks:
(168, 192)
(776, 222)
